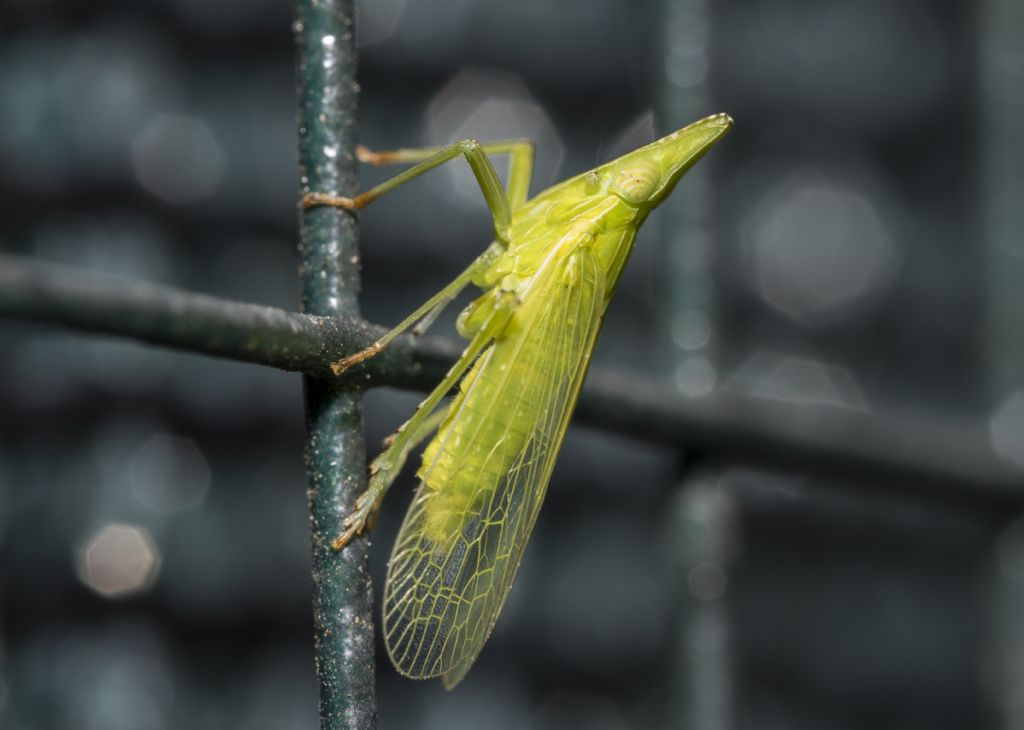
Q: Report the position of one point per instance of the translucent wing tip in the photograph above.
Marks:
(452, 678)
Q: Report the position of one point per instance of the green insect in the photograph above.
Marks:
(546, 278)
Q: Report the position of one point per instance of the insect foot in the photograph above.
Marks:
(369, 157)
(312, 200)
(345, 363)
(358, 521)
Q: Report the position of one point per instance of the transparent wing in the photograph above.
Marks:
(443, 594)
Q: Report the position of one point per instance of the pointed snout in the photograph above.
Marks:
(644, 177)
(680, 150)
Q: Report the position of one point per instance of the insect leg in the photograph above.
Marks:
(386, 466)
(479, 162)
(520, 171)
(383, 471)
(520, 168)
(424, 316)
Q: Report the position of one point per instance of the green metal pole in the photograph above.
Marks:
(335, 451)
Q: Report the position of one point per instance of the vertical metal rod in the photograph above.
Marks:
(688, 248)
(1001, 73)
(705, 523)
(335, 451)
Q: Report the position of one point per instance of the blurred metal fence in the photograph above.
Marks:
(828, 559)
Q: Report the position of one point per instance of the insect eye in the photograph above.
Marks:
(636, 183)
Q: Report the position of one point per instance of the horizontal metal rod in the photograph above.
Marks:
(926, 456)
(906, 454)
(160, 315)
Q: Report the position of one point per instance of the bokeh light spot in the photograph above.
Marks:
(798, 380)
(707, 581)
(377, 20)
(169, 473)
(177, 158)
(488, 106)
(816, 248)
(691, 329)
(119, 560)
(1006, 428)
(636, 134)
(696, 376)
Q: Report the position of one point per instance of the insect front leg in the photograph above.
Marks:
(426, 313)
(494, 194)
(500, 204)
(520, 170)
(425, 421)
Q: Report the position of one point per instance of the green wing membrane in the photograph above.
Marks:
(449, 576)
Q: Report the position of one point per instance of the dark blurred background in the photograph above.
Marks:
(856, 243)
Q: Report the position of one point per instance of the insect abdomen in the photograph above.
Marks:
(472, 452)
(485, 431)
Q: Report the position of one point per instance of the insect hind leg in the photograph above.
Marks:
(383, 472)
(424, 422)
